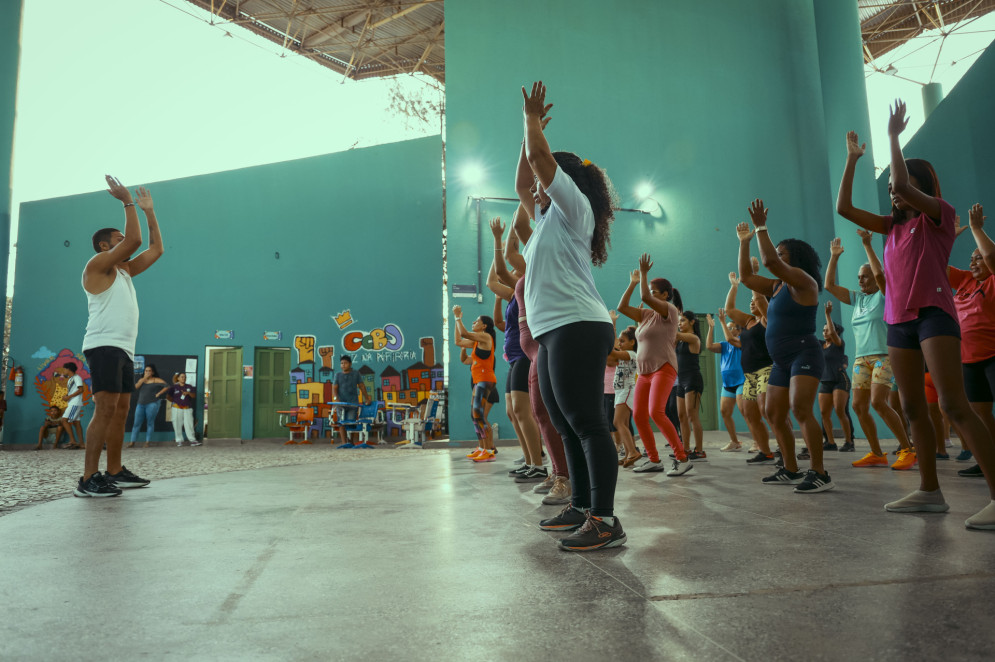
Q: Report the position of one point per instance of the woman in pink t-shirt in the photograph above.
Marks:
(920, 313)
(656, 360)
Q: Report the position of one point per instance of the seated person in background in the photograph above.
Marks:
(348, 387)
(53, 419)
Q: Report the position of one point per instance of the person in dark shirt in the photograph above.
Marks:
(348, 387)
(834, 387)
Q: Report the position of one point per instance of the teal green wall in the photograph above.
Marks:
(10, 52)
(714, 113)
(357, 230)
(959, 141)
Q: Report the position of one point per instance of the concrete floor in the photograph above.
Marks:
(428, 557)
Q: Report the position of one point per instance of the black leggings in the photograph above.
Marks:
(571, 369)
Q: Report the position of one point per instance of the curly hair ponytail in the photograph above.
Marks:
(594, 183)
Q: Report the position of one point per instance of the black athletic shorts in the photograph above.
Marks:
(111, 370)
(693, 383)
(841, 383)
(979, 380)
(518, 375)
(932, 322)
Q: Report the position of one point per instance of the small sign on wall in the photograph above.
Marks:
(272, 335)
(247, 371)
(222, 334)
(466, 291)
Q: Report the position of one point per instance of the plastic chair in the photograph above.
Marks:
(364, 422)
(300, 426)
(419, 422)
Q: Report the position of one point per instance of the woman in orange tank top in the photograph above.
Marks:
(482, 341)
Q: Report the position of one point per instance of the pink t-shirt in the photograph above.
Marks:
(976, 313)
(657, 338)
(916, 254)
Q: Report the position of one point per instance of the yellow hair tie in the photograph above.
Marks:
(587, 162)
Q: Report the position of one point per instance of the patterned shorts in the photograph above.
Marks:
(872, 369)
(756, 383)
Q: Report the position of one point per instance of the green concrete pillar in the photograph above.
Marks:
(10, 52)
(932, 95)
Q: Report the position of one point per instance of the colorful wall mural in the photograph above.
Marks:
(52, 377)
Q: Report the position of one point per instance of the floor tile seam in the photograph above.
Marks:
(782, 590)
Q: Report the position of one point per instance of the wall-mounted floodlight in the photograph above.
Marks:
(472, 175)
(644, 190)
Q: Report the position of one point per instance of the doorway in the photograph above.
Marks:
(224, 393)
(270, 391)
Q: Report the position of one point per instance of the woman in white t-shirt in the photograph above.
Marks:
(569, 320)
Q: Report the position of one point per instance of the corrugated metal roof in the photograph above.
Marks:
(356, 38)
(887, 24)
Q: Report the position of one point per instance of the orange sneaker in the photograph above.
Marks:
(906, 460)
(484, 456)
(475, 452)
(871, 460)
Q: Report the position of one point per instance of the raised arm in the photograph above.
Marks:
(692, 339)
(537, 153)
(633, 313)
(731, 339)
(986, 246)
(148, 257)
(841, 293)
(900, 173)
(104, 263)
(752, 280)
(662, 307)
(805, 288)
(511, 253)
(872, 259)
(460, 330)
(710, 343)
(844, 198)
(498, 315)
(494, 283)
(522, 222)
(737, 315)
(761, 302)
(499, 280)
(833, 336)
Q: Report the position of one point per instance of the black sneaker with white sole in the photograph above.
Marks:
(847, 447)
(95, 486)
(595, 533)
(804, 455)
(517, 471)
(784, 477)
(815, 482)
(761, 458)
(569, 519)
(125, 479)
(971, 472)
(533, 475)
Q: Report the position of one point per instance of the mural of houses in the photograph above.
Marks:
(413, 384)
(390, 384)
(370, 381)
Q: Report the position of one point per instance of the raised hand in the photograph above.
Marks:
(535, 103)
(613, 314)
(733, 278)
(976, 217)
(708, 318)
(958, 228)
(897, 121)
(457, 312)
(722, 315)
(744, 232)
(634, 277)
(865, 235)
(645, 263)
(758, 213)
(829, 308)
(853, 146)
(497, 227)
(117, 189)
(143, 199)
(755, 263)
(836, 246)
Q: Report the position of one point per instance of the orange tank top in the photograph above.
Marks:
(482, 370)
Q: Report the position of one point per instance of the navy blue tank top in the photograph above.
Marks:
(789, 322)
(835, 358)
(512, 339)
(754, 342)
(687, 361)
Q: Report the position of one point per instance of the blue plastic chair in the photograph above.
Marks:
(364, 423)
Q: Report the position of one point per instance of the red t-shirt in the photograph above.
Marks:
(916, 254)
(975, 304)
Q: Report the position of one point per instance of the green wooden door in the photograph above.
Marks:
(224, 406)
(709, 399)
(270, 391)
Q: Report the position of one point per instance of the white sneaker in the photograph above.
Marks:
(545, 486)
(731, 447)
(984, 519)
(921, 502)
(648, 466)
(560, 492)
(680, 468)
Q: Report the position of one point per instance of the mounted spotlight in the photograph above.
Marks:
(472, 175)
(644, 190)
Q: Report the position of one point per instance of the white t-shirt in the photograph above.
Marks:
(75, 383)
(113, 316)
(625, 374)
(559, 285)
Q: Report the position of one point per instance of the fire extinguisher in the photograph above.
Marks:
(18, 380)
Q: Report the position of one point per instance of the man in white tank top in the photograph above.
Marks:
(109, 343)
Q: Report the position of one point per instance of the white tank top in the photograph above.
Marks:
(113, 320)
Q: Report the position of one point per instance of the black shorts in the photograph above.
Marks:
(518, 375)
(932, 322)
(610, 411)
(841, 383)
(111, 370)
(979, 380)
(692, 383)
(804, 357)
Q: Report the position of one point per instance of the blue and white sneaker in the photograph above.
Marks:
(784, 477)
(815, 482)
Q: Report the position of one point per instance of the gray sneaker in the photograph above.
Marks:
(681, 468)
(648, 466)
(919, 502)
(560, 493)
(545, 486)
